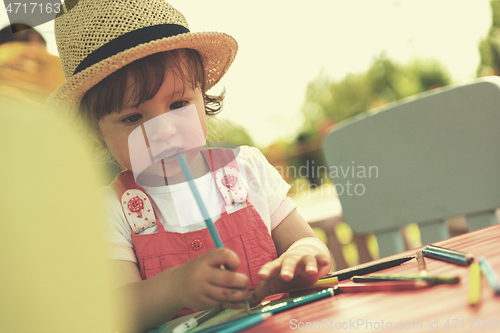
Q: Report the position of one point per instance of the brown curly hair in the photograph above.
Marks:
(106, 97)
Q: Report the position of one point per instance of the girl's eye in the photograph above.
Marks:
(178, 104)
(133, 118)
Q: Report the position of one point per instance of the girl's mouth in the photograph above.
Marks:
(168, 153)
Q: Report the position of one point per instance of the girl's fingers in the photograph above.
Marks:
(262, 289)
(288, 266)
(224, 257)
(269, 269)
(211, 296)
(221, 277)
(310, 264)
(322, 260)
(227, 295)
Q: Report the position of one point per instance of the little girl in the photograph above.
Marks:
(138, 78)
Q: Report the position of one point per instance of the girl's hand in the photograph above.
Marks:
(203, 284)
(300, 266)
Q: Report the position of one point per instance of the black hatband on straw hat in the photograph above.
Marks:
(130, 40)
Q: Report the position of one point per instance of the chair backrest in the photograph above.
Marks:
(420, 161)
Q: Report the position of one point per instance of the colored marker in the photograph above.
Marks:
(296, 302)
(393, 277)
(382, 286)
(468, 256)
(422, 270)
(323, 283)
(490, 275)
(240, 323)
(208, 221)
(368, 268)
(197, 320)
(474, 284)
(453, 258)
(443, 249)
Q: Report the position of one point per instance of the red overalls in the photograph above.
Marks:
(242, 231)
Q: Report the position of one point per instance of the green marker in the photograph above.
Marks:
(393, 277)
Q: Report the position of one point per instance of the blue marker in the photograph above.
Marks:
(208, 221)
(267, 311)
(457, 259)
(296, 302)
(490, 275)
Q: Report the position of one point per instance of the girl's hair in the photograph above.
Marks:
(106, 97)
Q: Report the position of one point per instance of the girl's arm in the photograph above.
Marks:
(199, 283)
(302, 259)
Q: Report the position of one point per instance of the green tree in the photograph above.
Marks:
(223, 130)
(384, 82)
(489, 47)
(328, 102)
(238, 135)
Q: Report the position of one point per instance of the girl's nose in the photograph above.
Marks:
(159, 128)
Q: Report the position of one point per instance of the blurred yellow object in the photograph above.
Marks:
(325, 282)
(412, 234)
(28, 73)
(54, 276)
(372, 245)
(343, 232)
(351, 255)
(474, 284)
(321, 234)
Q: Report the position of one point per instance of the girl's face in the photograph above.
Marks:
(165, 130)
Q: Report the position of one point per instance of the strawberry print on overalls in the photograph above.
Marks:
(242, 231)
(138, 210)
(231, 185)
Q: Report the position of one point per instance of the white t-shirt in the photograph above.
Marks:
(178, 211)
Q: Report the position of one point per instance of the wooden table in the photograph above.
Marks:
(442, 308)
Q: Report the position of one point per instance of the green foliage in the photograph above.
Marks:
(489, 47)
(235, 134)
(385, 81)
(350, 97)
(495, 13)
(486, 56)
(429, 74)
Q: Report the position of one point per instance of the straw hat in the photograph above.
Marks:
(96, 38)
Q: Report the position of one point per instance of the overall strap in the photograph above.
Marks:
(141, 212)
(138, 208)
(224, 167)
(219, 158)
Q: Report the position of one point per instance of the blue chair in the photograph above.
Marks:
(422, 160)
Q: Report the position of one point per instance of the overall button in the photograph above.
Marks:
(196, 244)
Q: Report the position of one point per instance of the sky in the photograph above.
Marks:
(283, 45)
